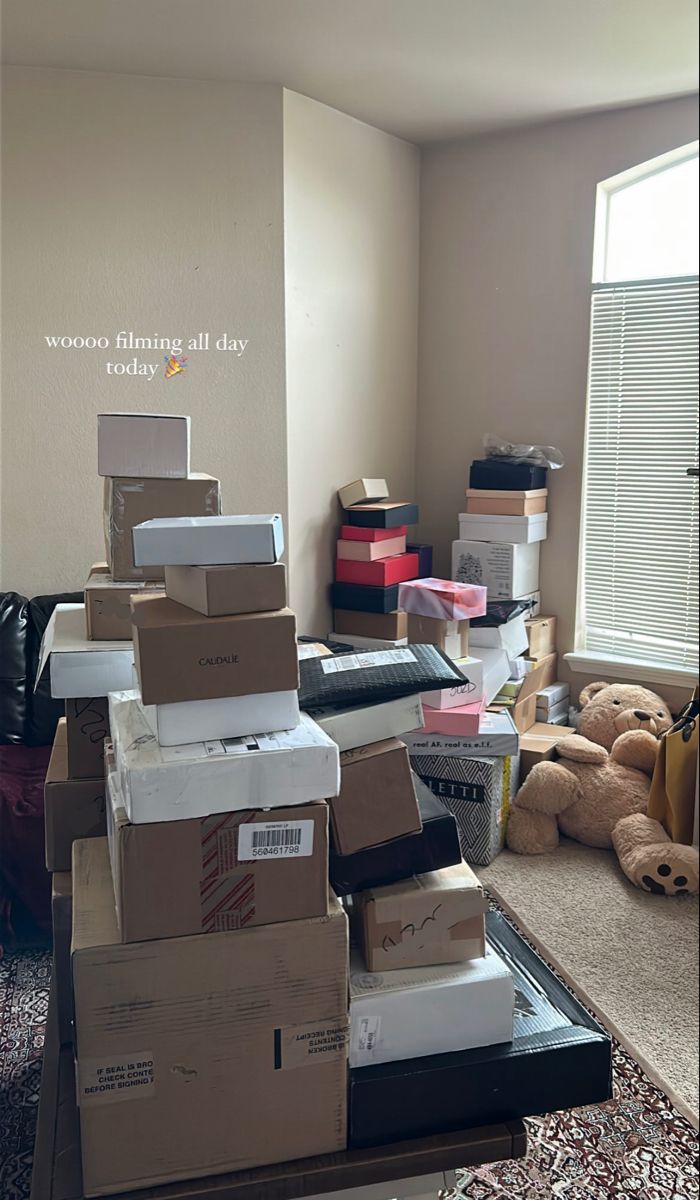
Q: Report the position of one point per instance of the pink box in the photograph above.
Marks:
(442, 598)
(462, 721)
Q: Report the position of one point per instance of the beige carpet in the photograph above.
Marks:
(632, 955)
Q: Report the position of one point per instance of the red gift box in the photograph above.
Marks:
(380, 573)
(358, 533)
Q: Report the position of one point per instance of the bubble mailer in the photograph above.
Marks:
(369, 676)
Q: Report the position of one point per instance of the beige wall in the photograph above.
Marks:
(506, 254)
(351, 253)
(146, 204)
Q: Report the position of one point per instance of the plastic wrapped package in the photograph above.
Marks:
(129, 502)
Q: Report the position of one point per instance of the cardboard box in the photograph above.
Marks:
(237, 1058)
(369, 551)
(377, 799)
(506, 569)
(541, 636)
(87, 726)
(390, 626)
(462, 721)
(506, 504)
(129, 502)
(73, 808)
(227, 871)
(381, 573)
(312, 650)
(420, 1011)
(181, 655)
(108, 606)
(363, 490)
(160, 783)
(450, 636)
(478, 791)
(502, 475)
(442, 599)
(78, 667)
(511, 636)
(221, 591)
(361, 533)
(482, 527)
(61, 920)
(538, 744)
(228, 717)
(387, 514)
(208, 541)
(423, 921)
(143, 445)
(524, 711)
(497, 737)
(425, 558)
(365, 599)
(359, 726)
(466, 693)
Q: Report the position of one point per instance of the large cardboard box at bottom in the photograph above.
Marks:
(73, 808)
(61, 919)
(478, 792)
(238, 1059)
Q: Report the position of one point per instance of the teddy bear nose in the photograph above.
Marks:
(641, 715)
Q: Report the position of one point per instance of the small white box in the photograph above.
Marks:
(364, 724)
(367, 643)
(547, 697)
(414, 1012)
(208, 541)
(143, 445)
(469, 692)
(79, 667)
(234, 716)
(511, 636)
(507, 569)
(497, 737)
(553, 714)
(171, 783)
(480, 527)
(363, 491)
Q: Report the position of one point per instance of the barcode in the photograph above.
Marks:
(276, 837)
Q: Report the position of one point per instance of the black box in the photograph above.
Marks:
(560, 1058)
(500, 474)
(386, 514)
(436, 846)
(425, 559)
(361, 597)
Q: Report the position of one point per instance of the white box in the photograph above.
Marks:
(170, 783)
(363, 724)
(482, 527)
(413, 1012)
(77, 666)
(553, 714)
(495, 666)
(358, 642)
(520, 667)
(143, 445)
(469, 692)
(507, 569)
(511, 636)
(497, 737)
(548, 697)
(208, 541)
(363, 491)
(234, 716)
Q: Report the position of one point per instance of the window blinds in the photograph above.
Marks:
(639, 559)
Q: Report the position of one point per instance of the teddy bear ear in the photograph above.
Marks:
(590, 691)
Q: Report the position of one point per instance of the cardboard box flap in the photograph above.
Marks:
(534, 680)
(65, 633)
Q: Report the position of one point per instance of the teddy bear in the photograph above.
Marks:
(597, 790)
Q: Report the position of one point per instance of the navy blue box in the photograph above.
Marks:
(364, 598)
(425, 559)
(501, 474)
(385, 514)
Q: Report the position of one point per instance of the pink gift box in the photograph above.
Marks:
(462, 721)
(442, 598)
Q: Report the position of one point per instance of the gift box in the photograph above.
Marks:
(365, 599)
(496, 474)
(208, 541)
(349, 548)
(387, 514)
(359, 533)
(425, 558)
(481, 527)
(506, 569)
(443, 599)
(381, 573)
(462, 720)
(506, 504)
(478, 792)
(362, 491)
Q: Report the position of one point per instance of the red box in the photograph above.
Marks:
(358, 533)
(380, 573)
(462, 721)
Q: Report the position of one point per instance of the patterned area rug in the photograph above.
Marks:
(635, 1147)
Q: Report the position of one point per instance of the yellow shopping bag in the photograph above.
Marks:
(672, 796)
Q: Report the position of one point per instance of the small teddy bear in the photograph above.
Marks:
(597, 791)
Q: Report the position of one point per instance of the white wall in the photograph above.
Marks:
(351, 255)
(145, 204)
(506, 256)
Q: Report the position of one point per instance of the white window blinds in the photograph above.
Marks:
(638, 597)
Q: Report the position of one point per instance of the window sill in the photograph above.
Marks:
(591, 662)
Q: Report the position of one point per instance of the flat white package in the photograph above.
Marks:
(363, 724)
(418, 1011)
(170, 783)
(77, 666)
(548, 697)
(550, 715)
(497, 737)
(208, 541)
(511, 636)
(483, 527)
(230, 717)
(506, 569)
(469, 692)
(143, 445)
(358, 642)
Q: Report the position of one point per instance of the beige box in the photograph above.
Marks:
(61, 919)
(377, 800)
(370, 551)
(538, 745)
(423, 921)
(221, 591)
(391, 626)
(87, 726)
(201, 1055)
(363, 491)
(108, 606)
(541, 636)
(129, 502)
(450, 636)
(73, 808)
(506, 504)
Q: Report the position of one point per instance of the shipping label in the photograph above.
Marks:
(275, 839)
(110, 1080)
(365, 1035)
(371, 658)
(305, 1045)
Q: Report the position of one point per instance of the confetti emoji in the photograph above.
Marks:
(173, 365)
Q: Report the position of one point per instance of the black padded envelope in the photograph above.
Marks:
(368, 676)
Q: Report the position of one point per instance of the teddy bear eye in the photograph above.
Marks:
(659, 714)
(617, 701)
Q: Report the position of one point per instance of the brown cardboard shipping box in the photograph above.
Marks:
(228, 871)
(129, 502)
(108, 606)
(424, 920)
(377, 800)
(201, 1055)
(541, 636)
(389, 626)
(73, 808)
(537, 745)
(524, 711)
(450, 636)
(222, 591)
(87, 726)
(181, 655)
(61, 917)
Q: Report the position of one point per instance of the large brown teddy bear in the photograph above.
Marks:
(597, 791)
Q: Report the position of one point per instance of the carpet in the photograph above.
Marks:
(636, 1146)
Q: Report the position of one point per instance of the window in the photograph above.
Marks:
(638, 576)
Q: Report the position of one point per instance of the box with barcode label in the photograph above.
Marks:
(223, 872)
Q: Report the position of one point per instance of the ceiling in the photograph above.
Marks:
(423, 69)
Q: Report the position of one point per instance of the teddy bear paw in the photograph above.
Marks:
(663, 877)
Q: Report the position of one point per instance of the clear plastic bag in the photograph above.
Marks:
(539, 456)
